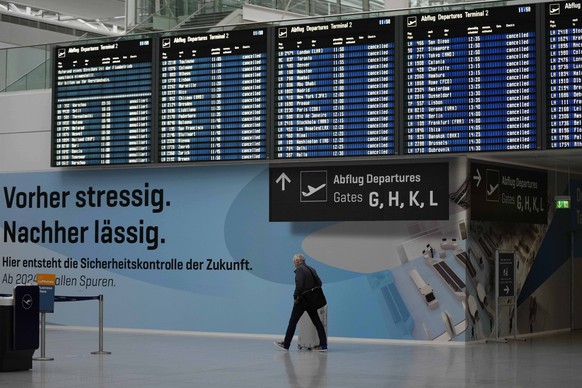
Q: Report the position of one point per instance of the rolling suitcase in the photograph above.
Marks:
(308, 338)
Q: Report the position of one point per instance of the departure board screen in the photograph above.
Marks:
(564, 74)
(213, 96)
(102, 97)
(471, 80)
(335, 89)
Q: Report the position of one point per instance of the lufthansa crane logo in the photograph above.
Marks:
(27, 301)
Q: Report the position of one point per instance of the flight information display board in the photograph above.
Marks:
(335, 89)
(564, 74)
(102, 104)
(471, 80)
(213, 96)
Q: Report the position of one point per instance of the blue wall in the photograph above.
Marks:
(216, 214)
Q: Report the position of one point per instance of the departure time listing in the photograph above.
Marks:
(335, 89)
(213, 96)
(564, 74)
(102, 99)
(471, 81)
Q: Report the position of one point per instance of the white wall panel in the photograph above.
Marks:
(25, 131)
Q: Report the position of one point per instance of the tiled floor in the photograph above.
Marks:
(188, 360)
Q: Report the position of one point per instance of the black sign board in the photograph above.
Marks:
(501, 193)
(505, 274)
(360, 193)
(576, 204)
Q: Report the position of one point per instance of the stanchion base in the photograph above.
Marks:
(100, 352)
(43, 358)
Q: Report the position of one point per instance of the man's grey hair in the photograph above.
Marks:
(299, 257)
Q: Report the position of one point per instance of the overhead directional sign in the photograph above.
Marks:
(502, 193)
(417, 191)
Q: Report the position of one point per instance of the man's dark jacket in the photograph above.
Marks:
(304, 280)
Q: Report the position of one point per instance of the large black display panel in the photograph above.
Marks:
(102, 97)
(564, 74)
(213, 96)
(335, 89)
(471, 80)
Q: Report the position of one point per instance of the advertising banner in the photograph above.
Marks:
(192, 248)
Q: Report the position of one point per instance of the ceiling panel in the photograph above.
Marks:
(89, 9)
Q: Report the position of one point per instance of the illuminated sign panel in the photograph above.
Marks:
(335, 89)
(564, 75)
(471, 81)
(102, 104)
(457, 81)
(213, 96)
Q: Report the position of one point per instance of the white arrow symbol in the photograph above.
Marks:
(477, 177)
(506, 289)
(283, 178)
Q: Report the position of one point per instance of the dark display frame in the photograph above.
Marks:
(102, 104)
(472, 77)
(213, 97)
(542, 68)
(335, 93)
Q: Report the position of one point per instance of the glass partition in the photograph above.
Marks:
(3, 54)
(25, 68)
